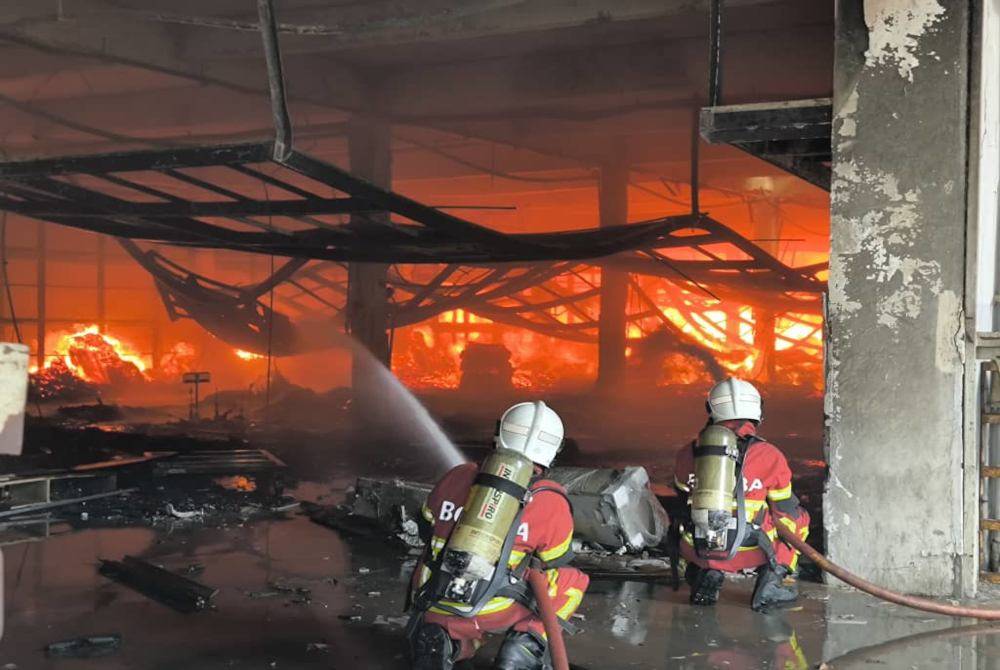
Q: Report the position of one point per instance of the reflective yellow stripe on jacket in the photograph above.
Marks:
(777, 495)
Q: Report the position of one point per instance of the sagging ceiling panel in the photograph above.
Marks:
(295, 208)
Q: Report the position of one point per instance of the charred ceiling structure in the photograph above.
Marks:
(271, 199)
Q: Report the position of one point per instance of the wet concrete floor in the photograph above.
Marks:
(53, 592)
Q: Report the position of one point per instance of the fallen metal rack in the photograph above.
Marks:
(242, 197)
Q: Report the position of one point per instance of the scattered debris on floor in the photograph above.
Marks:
(91, 646)
(181, 593)
(296, 594)
(173, 511)
(621, 525)
(94, 413)
(399, 621)
(77, 476)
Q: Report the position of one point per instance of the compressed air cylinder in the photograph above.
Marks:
(13, 396)
(489, 512)
(715, 458)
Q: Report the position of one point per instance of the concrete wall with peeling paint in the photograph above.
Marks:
(895, 358)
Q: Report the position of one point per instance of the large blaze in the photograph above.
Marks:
(98, 357)
(741, 339)
(87, 359)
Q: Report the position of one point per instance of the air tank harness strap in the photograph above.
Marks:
(741, 504)
(757, 534)
(512, 489)
(552, 489)
(741, 511)
(709, 450)
(519, 589)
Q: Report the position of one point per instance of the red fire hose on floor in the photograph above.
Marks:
(843, 575)
(553, 629)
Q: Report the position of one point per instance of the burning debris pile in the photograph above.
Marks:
(100, 358)
(86, 360)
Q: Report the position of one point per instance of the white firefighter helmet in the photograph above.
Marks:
(532, 429)
(734, 399)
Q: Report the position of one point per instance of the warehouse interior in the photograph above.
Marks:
(275, 260)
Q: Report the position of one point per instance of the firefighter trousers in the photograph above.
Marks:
(566, 588)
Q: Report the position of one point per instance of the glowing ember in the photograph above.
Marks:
(58, 381)
(97, 357)
(248, 355)
(237, 483)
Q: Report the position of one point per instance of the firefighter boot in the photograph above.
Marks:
(521, 651)
(771, 589)
(431, 648)
(705, 584)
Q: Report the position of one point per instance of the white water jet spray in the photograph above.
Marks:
(404, 407)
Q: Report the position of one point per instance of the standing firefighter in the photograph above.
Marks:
(487, 526)
(737, 486)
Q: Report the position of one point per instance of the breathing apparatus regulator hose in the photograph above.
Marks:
(789, 536)
(557, 646)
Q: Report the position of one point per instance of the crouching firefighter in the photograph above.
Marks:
(487, 526)
(737, 485)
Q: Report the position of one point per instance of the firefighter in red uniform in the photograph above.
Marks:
(441, 635)
(766, 496)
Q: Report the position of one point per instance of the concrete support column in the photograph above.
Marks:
(367, 307)
(894, 506)
(612, 336)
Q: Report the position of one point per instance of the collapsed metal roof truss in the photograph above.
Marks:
(707, 264)
(241, 197)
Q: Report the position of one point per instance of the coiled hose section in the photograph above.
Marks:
(923, 604)
(547, 611)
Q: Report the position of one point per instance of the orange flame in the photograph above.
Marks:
(431, 354)
(237, 483)
(97, 357)
(247, 355)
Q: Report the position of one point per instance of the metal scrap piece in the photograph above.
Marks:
(180, 593)
(90, 646)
